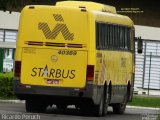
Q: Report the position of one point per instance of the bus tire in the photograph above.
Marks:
(35, 106)
(88, 109)
(98, 109)
(106, 97)
(101, 109)
(119, 108)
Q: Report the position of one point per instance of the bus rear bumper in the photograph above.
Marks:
(55, 94)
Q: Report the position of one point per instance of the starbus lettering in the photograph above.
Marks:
(53, 73)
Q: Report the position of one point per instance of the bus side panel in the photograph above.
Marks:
(114, 67)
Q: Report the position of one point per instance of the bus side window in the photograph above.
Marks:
(97, 36)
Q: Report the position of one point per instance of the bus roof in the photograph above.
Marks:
(102, 13)
(113, 18)
(87, 5)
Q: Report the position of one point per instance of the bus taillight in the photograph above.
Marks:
(17, 69)
(90, 72)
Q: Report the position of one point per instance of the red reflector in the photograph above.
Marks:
(90, 72)
(17, 69)
(82, 89)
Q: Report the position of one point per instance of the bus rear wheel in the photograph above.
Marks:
(98, 109)
(101, 109)
(120, 107)
(35, 106)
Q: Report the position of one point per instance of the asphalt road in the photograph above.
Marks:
(70, 114)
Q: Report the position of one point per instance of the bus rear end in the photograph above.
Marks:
(51, 60)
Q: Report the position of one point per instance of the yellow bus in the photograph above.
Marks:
(75, 53)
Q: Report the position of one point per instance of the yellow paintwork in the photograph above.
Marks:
(114, 71)
(87, 5)
(76, 22)
(82, 25)
(118, 67)
(28, 28)
(113, 18)
(65, 63)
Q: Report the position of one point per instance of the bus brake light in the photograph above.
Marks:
(17, 69)
(90, 72)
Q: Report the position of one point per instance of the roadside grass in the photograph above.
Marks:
(142, 101)
(145, 101)
(158, 116)
(8, 98)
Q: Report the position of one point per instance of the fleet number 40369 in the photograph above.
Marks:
(67, 52)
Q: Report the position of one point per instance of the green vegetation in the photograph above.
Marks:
(17, 5)
(6, 85)
(146, 101)
(158, 117)
(8, 98)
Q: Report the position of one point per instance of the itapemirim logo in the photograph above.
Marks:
(59, 27)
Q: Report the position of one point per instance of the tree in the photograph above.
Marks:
(17, 5)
